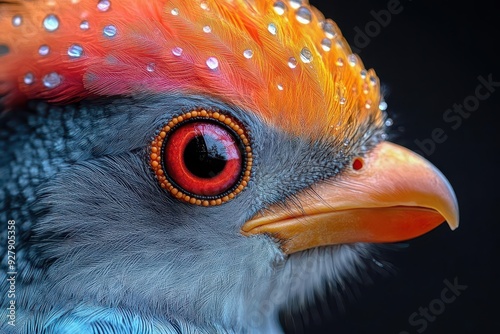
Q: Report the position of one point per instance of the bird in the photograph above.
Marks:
(192, 166)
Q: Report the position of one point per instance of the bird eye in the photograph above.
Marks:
(202, 157)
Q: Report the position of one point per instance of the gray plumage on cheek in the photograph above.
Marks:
(115, 238)
(106, 234)
(121, 242)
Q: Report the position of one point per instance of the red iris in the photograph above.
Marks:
(203, 158)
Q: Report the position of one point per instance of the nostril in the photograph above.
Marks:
(357, 164)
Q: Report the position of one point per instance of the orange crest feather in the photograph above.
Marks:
(283, 62)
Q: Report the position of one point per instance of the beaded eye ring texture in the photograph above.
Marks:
(202, 157)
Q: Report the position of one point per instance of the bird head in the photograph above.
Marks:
(205, 162)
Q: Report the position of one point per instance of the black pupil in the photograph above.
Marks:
(205, 156)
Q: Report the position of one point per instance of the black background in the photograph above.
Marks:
(428, 58)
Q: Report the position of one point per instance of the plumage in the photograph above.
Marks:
(113, 237)
(328, 89)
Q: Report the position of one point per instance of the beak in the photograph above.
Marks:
(390, 195)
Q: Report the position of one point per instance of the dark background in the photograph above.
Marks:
(429, 58)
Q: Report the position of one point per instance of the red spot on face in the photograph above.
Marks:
(357, 164)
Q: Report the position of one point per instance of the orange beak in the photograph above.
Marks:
(390, 195)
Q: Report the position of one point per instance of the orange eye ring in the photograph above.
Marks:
(230, 152)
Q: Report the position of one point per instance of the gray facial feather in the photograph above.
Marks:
(100, 234)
